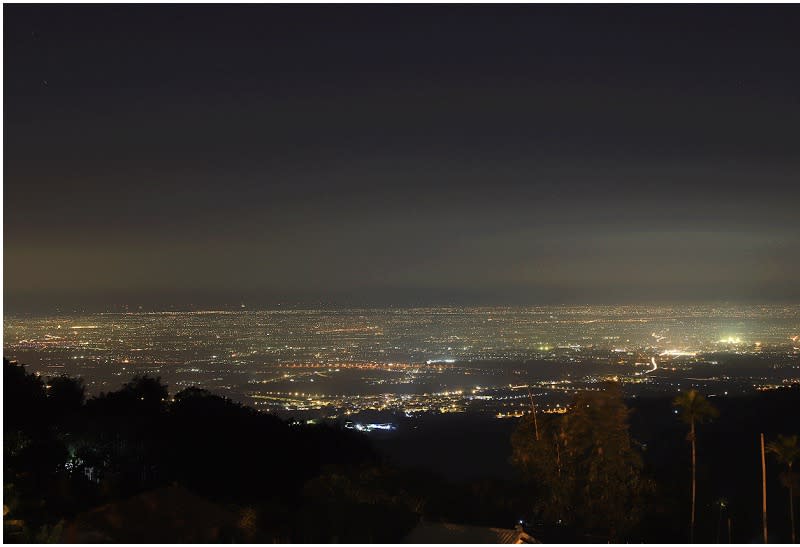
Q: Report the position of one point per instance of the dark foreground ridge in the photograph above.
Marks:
(139, 465)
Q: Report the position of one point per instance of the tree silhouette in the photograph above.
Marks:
(150, 391)
(585, 464)
(540, 461)
(23, 399)
(192, 392)
(65, 395)
(787, 452)
(695, 409)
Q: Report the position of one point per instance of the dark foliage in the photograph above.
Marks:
(584, 466)
(65, 455)
(274, 480)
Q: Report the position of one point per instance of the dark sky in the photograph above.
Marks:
(208, 155)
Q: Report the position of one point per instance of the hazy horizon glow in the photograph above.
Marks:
(194, 156)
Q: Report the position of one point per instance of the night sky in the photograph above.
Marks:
(400, 155)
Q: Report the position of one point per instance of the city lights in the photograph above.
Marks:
(413, 361)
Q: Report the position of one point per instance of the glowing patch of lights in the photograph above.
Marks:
(679, 353)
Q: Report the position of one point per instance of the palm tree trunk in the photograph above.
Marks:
(791, 508)
(764, 492)
(694, 483)
(558, 457)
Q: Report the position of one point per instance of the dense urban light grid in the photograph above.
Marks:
(325, 364)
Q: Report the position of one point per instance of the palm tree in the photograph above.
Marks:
(787, 452)
(695, 409)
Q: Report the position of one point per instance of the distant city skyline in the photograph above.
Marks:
(205, 156)
(360, 359)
